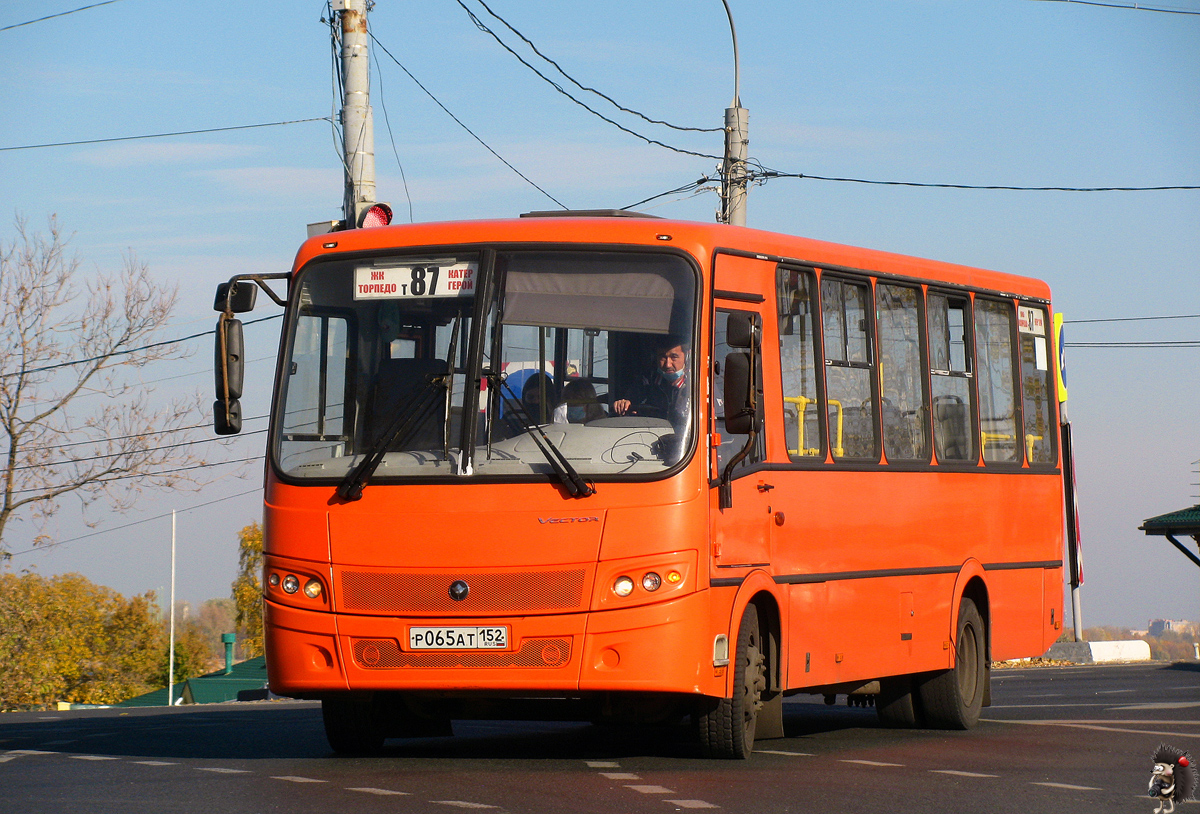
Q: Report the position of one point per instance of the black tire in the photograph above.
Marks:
(952, 699)
(897, 705)
(353, 724)
(727, 725)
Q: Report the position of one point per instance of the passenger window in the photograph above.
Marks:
(797, 308)
(997, 390)
(1036, 386)
(903, 405)
(950, 378)
(848, 369)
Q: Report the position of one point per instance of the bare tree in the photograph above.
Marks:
(62, 339)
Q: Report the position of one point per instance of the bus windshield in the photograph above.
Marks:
(448, 364)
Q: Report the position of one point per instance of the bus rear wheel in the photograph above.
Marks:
(353, 724)
(953, 699)
(727, 725)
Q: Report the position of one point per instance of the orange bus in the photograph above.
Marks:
(737, 466)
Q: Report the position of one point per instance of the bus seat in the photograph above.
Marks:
(951, 417)
(398, 382)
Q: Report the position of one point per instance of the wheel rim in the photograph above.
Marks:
(754, 683)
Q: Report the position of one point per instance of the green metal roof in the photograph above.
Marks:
(209, 689)
(1184, 521)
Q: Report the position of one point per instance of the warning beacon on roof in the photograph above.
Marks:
(417, 281)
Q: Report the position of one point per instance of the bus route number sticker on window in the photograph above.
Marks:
(458, 638)
(415, 281)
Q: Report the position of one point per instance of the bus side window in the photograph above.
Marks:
(904, 401)
(849, 369)
(994, 333)
(1036, 386)
(797, 307)
(950, 371)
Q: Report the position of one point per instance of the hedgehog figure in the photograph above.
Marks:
(1173, 778)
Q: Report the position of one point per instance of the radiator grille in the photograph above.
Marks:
(489, 593)
(385, 654)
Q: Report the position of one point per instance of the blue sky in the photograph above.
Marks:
(1010, 92)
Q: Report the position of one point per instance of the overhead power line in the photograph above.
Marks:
(572, 79)
(158, 474)
(161, 135)
(125, 352)
(1130, 7)
(764, 174)
(463, 126)
(145, 434)
(138, 451)
(1129, 319)
(60, 14)
(1183, 343)
(134, 523)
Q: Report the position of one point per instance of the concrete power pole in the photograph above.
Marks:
(358, 123)
(737, 144)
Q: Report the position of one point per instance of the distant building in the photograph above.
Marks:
(1160, 626)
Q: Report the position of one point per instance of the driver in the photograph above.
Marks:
(664, 391)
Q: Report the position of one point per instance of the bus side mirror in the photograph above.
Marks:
(739, 330)
(229, 367)
(239, 296)
(739, 396)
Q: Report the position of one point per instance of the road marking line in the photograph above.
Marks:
(1044, 706)
(155, 763)
(957, 773)
(1163, 705)
(620, 776)
(30, 752)
(219, 770)
(380, 792)
(1074, 725)
(691, 803)
(870, 763)
(1110, 692)
(460, 804)
(651, 789)
(291, 778)
(93, 757)
(7, 758)
(785, 754)
(1068, 786)
(602, 764)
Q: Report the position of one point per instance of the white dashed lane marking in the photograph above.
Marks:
(691, 803)
(155, 763)
(460, 804)
(871, 763)
(219, 770)
(293, 779)
(93, 757)
(603, 764)
(380, 792)
(785, 754)
(620, 776)
(651, 789)
(1067, 786)
(957, 773)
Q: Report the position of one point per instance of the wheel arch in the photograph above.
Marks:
(761, 591)
(972, 584)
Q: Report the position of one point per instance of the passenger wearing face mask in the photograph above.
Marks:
(579, 404)
(662, 393)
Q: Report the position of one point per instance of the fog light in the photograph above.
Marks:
(623, 586)
(312, 589)
(273, 579)
(290, 584)
(651, 582)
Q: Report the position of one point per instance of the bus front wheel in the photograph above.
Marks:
(953, 699)
(353, 724)
(727, 725)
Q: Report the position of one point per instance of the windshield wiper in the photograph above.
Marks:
(575, 485)
(402, 427)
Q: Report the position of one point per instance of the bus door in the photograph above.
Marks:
(741, 529)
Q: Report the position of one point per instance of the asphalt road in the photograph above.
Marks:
(1055, 740)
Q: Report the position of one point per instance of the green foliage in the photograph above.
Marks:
(247, 591)
(66, 639)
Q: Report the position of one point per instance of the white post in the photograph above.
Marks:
(358, 125)
(171, 647)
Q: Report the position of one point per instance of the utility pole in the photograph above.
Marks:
(358, 123)
(171, 647)
(737, 143)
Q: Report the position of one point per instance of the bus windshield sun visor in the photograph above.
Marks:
(397, 433)
(575, 485)
(616, 301)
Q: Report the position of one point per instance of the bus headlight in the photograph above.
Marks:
(623, 586)
(651, 582)
(312, 588)
(291, 584)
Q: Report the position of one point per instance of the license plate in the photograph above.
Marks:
(458, 638)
